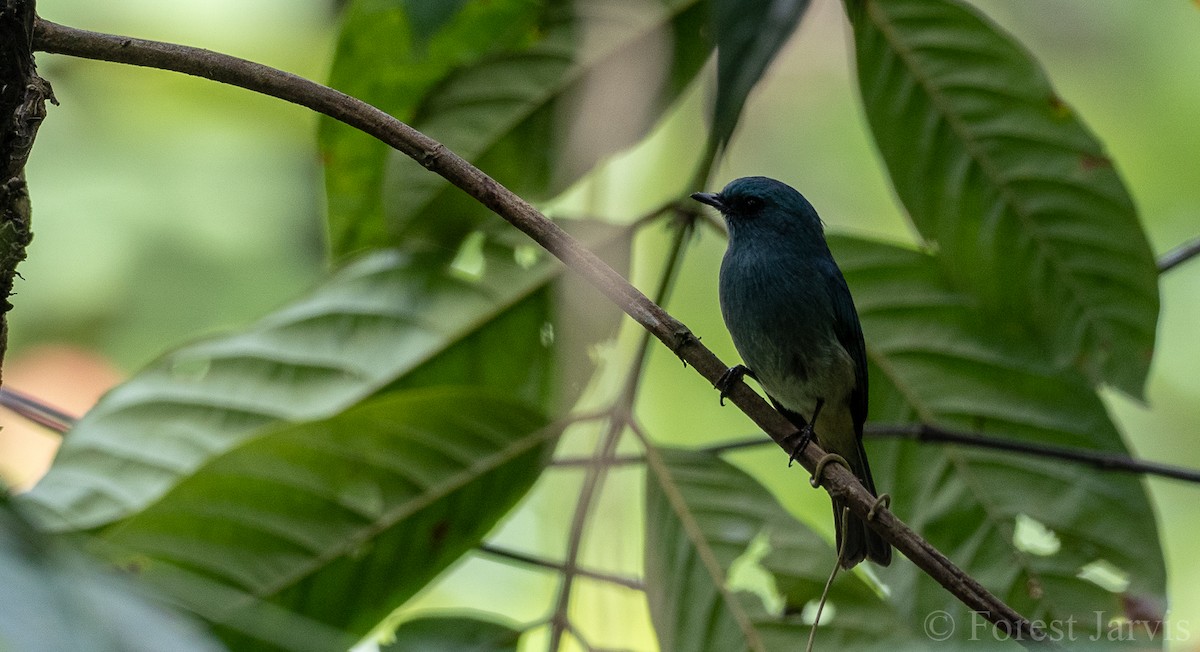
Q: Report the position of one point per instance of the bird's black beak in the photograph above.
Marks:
(710, 198)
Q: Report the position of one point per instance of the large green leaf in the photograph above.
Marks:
(55, 599)
(538, 118)
(339, 521)
(936, 359)
(702, 517)
(385, 320)
(749, 33)
(389, 54)
(453, 634)
(1024, 206)
(536, 114)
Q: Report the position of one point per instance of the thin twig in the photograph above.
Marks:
(622, 408)
(559, 621)
(660, 212)
(674, 334)
(59, 422)
(929, 434)
(541, 562)
(673, 206)
(657, 469)
(736, 445)
(1100, 459)
(843, 516)
(579, 637)
(614, 460)
(37, 411)
(1179, 255)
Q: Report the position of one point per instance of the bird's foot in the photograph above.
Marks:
(819, 472)
(806, 433)
(731, 376)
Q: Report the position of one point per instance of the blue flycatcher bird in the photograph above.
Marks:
(793, 321)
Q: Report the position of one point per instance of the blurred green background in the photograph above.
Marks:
(168, 207)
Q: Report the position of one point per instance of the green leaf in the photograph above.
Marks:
(453, 634)
(935, 358)
(536, 115)
(426, 18)
(337, 521)
(56, 599)
(389, 54)
(384, 321)
(1019, 197)
(749, 33)
(703, 517)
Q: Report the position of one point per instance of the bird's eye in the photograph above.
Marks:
(752, 204)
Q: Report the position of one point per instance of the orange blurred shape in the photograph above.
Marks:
(63, 376)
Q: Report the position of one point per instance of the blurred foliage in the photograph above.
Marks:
(188, 207)
(327, 470)
(494, 81)
(57, 599)
(748, 36)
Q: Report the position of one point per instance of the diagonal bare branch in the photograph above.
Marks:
(838, 481)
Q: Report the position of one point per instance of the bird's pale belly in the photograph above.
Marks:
(797, 378)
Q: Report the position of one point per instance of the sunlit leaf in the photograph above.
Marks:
(341, 520)
(703, 516)
(749, 33)
(935, 358)
(1025, 208)
(384, 321)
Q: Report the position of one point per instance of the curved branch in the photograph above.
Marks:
(840, 483)
(1179, 255)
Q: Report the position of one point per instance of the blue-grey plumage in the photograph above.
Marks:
(793, 321)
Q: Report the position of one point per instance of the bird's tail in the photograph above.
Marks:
(855, 540)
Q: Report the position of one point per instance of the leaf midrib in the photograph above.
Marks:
(961, 465)
(695, 534)
(577, 70)
(980, 158)
(469, 327)
(388, 518)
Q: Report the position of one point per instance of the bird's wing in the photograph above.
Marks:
(849, 335)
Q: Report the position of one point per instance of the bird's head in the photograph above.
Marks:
(762, 205)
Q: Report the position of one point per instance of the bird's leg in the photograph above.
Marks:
(806, 433)
(731, 376)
